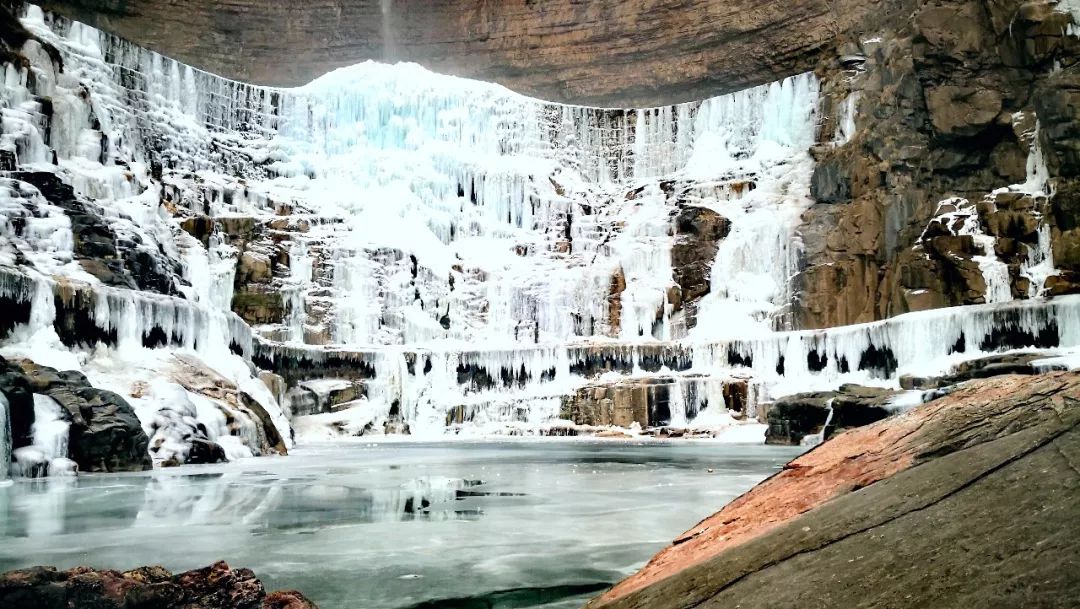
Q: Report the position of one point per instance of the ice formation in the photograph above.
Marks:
(48, 453)
(467, 256)
(5, 440)
(1071, 7)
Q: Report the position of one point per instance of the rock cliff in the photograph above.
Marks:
(946, 169)
(607, 53)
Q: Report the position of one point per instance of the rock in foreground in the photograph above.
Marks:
(215, 587)
(968, 501)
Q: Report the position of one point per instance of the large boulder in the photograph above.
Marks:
(962, 111)
(973, 493)
(792, 418)
(196, 377)
(105, 434)
(215, 587)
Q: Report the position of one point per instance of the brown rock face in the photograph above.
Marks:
(607, 52)
(962, 110)
(950, 101)
(621, 404)
(937, 488)
(698, 231)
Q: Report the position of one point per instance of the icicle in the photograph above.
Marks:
(845, 122)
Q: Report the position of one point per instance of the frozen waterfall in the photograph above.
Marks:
(437, 254)
(49, 451)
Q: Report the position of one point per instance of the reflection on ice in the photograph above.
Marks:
(391, 525)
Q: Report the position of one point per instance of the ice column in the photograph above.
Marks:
(5, 439)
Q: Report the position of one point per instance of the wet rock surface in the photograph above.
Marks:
(215, 587)
(938, 486)
(792, 418)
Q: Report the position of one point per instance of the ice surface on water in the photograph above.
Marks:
(395, 524)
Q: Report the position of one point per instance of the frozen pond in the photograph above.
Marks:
(395, 525)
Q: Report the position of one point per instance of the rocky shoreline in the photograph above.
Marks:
(218, 586)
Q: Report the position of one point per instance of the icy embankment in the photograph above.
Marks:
(97, 278)
(526, 384)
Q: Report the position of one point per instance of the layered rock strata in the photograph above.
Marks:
(607, 53)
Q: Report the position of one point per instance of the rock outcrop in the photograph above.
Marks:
(794, 417)
(196, 377)
(984, 367)
(215, 587)
(103, 249)
(698, 231)
(104, 433)
(609, 53)
(936, 489)
(653, 402)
